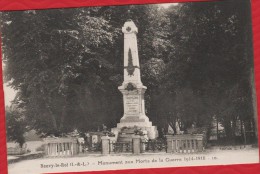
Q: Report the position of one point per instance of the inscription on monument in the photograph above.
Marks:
(132, 104)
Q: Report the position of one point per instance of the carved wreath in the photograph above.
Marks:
(130, 87)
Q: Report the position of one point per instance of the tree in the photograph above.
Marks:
(66, 71)
(16, 125)
(212, 56)
(55, 62)
(195, 59)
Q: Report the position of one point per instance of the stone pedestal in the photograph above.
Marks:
(134, 110)
(127, 134)
(170, 144)
(200, 145)
(105, 145)
(136, 145)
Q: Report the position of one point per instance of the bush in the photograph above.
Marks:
(41, 148)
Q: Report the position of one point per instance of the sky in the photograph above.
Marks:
(9, 94)
(166, 5)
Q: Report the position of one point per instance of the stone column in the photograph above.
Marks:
(76, 148)
(72, 149)
(136, 144)
(46, 149)
(200, 145)
(51, 149)
(55, 149)
(105, 145)
(199, 138)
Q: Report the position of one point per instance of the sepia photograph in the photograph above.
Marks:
(129, 87)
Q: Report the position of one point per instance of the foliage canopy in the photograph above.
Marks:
(66, 64)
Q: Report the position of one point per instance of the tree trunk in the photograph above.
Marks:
(217, 126)
(53, 119)
(63, 115)
(234, 125)
(227, 127)
(241, 127)
(172, 123)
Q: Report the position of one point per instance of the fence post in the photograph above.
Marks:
(170, 148)
(136, 144)
(46, 149)
(200, 145)
(105, 145)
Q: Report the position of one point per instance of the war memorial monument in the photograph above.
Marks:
(133, 90)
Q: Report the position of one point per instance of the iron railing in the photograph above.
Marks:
(121, 147)
(154, 146)
(91, 148)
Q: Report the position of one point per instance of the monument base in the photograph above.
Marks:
(150, 132)
(130, 124)
(128, 137)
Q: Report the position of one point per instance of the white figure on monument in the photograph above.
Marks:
(132, 88)
(170, 129)
(178, 130)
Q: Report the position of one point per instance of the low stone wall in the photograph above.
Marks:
(55, 147)
(186, 143)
